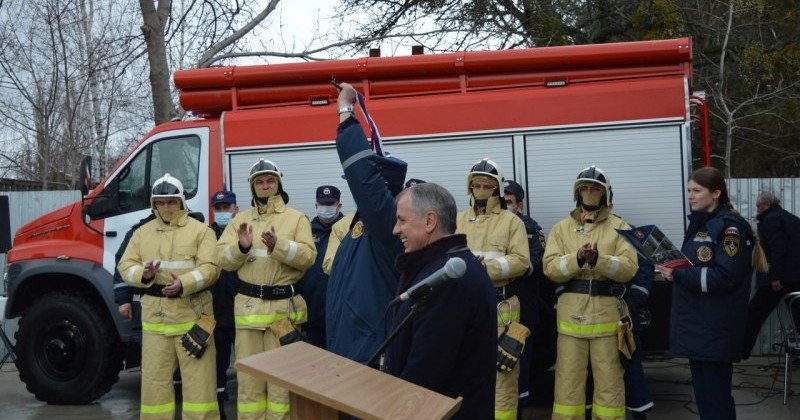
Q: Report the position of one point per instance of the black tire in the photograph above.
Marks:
(68, 352)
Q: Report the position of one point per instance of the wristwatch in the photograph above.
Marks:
(348, 108)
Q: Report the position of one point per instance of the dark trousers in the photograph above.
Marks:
(525, 368)
(761, 306)
(223, 340)
(712, 389)
(637, 394)
(315, 334)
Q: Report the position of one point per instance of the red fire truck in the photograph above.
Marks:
(542, 114)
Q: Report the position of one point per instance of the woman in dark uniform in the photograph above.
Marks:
(709, 300)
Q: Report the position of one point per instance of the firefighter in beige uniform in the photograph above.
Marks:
(499, 239)
(338, 230)
(270, 246)
(172, 256)
(586, 254)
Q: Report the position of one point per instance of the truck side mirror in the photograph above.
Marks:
(86, 175)
(102, 206)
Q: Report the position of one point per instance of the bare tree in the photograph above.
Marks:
(744, 68)
(215, 26)
(155, 21)
(62, 64)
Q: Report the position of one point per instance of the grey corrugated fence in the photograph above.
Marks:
(743, 192)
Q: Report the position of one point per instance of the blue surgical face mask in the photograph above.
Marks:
(327, 213)
(512, 208)
(223, 218)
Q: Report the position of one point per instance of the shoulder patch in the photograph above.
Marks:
(357, 230)
(704, 254)
(732, 231)
(731, 244)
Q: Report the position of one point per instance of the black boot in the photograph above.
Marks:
(639, 416)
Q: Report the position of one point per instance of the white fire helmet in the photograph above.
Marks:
(267, 167)
(486, 167)
(594, 175)
(167, 187)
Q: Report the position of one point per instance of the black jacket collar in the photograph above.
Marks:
(409, 264)
(775, 208)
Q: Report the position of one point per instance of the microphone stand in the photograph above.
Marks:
(415, 309)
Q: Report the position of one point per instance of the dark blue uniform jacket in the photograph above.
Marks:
(638, 290)
(224, 292)
(527, 288)
(363, 278)
(122, 292)
(780, 237)
(709, 300)
(451, 346)
(314, 284)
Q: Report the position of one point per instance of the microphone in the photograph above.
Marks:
(454, 268)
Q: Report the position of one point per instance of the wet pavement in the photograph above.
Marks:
(758, 390)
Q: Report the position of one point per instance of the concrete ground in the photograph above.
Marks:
(758, 393)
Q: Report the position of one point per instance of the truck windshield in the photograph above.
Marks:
(178, 156)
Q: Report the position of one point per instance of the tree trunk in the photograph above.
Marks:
(728, 146)
(153, 30)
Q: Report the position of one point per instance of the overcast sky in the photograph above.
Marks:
(293, 25)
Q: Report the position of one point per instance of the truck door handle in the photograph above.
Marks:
(111, 233)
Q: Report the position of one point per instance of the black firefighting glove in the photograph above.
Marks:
(510, 345)
(196, 340)
(286, 332)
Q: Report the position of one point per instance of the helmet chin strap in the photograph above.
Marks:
(591, 208)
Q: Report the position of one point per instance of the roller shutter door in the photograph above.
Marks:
(445, 161)
(644, 165)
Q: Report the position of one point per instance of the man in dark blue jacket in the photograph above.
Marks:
(363, 278)
(224, 292)
(542, 340)
(314, 284)
(451, 344)
(779, 232)
(127, 300)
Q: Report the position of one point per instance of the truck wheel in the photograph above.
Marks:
(67, 351)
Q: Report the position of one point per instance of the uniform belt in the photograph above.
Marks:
(595, 287)
(156, 290)
(266, 292)
(504, 292)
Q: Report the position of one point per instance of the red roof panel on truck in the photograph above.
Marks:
(220, 89)
(511, 109)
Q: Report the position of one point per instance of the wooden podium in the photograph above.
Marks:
(322, 384)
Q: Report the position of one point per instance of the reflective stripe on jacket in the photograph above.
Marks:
(185, 249)
(582, 315)
(499, 237)
(709, 300)
(338, 231)
(294, 252)
(363, 278)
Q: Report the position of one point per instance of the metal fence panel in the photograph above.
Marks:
(743, 193)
